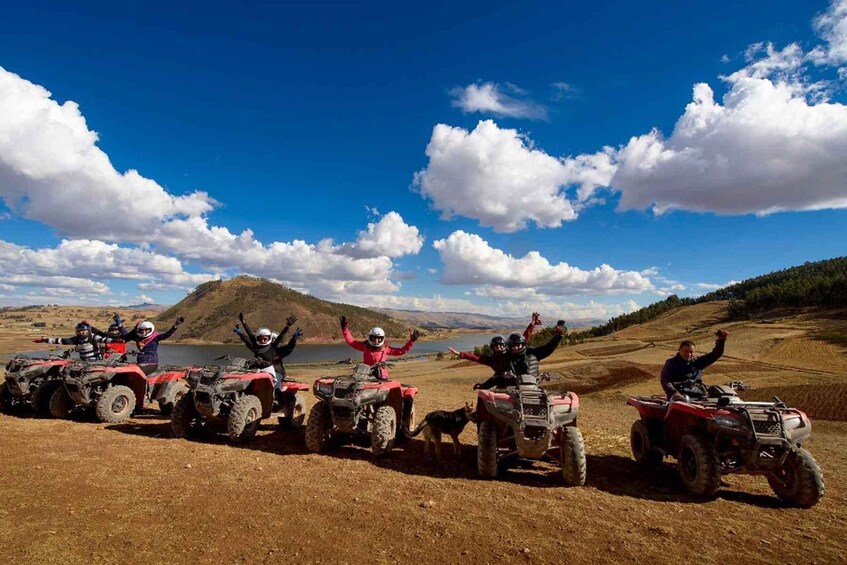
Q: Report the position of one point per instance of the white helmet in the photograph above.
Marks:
(376, 337)
(264, 336)
(144, 329)
(274, 336)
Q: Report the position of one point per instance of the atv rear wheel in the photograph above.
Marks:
(384, 430)
(186, 421)
(486, 450)
(244, 418)
(174, 393)
(799, 482)
(5, 398)
(115, 404)
(408, 423)
(319, 427)
(61, 403)
(699, 466)
(639, 441)
(295, 413)
(572, 456)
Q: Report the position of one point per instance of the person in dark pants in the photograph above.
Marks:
(684, 366)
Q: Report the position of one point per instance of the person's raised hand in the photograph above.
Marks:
(291, 320)
(722, 334)
(536, 319)
(453, 351)
(344, 322)
(414, 334)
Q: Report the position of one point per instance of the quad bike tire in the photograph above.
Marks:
(384, 430)
(639, 442)
(486, 451)
(115, 404)
(800, 481)
(295, 414)
(61, 403)
(244, 418)
(572, 456)
(186, 421)
(699, 466)
(319, 427)
(407, 426)
(5, 399)
(40, 398)
(168, 402)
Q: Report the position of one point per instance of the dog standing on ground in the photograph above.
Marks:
(442, 422)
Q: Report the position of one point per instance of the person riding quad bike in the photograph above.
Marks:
(684, 367)
(523, 360)
(374, 349)
(264, 344)
(498, 360)
(85, 342)
(115, 344)
(147, 341)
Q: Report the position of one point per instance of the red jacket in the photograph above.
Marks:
(372, 355)
(118, 347)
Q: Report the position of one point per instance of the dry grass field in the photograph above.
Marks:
(85, 492)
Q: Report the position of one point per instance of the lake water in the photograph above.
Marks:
(303, 353)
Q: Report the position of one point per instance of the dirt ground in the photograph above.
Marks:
(85, 492)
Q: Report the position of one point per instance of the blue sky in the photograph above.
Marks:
(573, 158)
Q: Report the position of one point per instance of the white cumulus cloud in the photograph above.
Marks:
(389, 237)
(496, 176)
(469, 259)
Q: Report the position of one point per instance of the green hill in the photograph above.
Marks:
(814, 284)
(211, 311)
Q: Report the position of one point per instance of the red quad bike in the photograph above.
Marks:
(712, 432)
(529, 422)
(115, 388)
(30, 381)
(236, 397)
(360, 404)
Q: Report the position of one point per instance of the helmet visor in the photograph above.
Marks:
(263, 339)
(376, 340)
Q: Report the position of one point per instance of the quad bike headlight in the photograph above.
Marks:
(503, 404)
(792, 422)
(325, 388)
(728, 421)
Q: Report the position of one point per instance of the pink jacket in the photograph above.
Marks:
(373, 356)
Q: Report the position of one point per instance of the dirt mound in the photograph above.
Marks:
(591, 377)
(819, 402)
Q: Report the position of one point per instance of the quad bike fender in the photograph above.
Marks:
(292, 387)
(166, 376)
(408, 391)
(654, 408)
(161, 390)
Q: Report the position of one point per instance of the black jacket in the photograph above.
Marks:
(525, 363)
(677, 370)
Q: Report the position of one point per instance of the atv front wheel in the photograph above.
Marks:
(295, 413)
(174, 393)
(699, 466)
(572, 456)
(244, 418)
(61, 403)
(115, 404)
(639, 441)
(486, 450)
(186, 421)
(799, 481)
(319, 427)
(384, 430)
(41, 396)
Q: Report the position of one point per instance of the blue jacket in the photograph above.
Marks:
(149, 354)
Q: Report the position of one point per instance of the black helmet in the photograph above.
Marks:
(114, 331)
(83, 329)
(517, 343)
(498, 344)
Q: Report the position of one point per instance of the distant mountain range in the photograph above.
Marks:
(462, 320)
